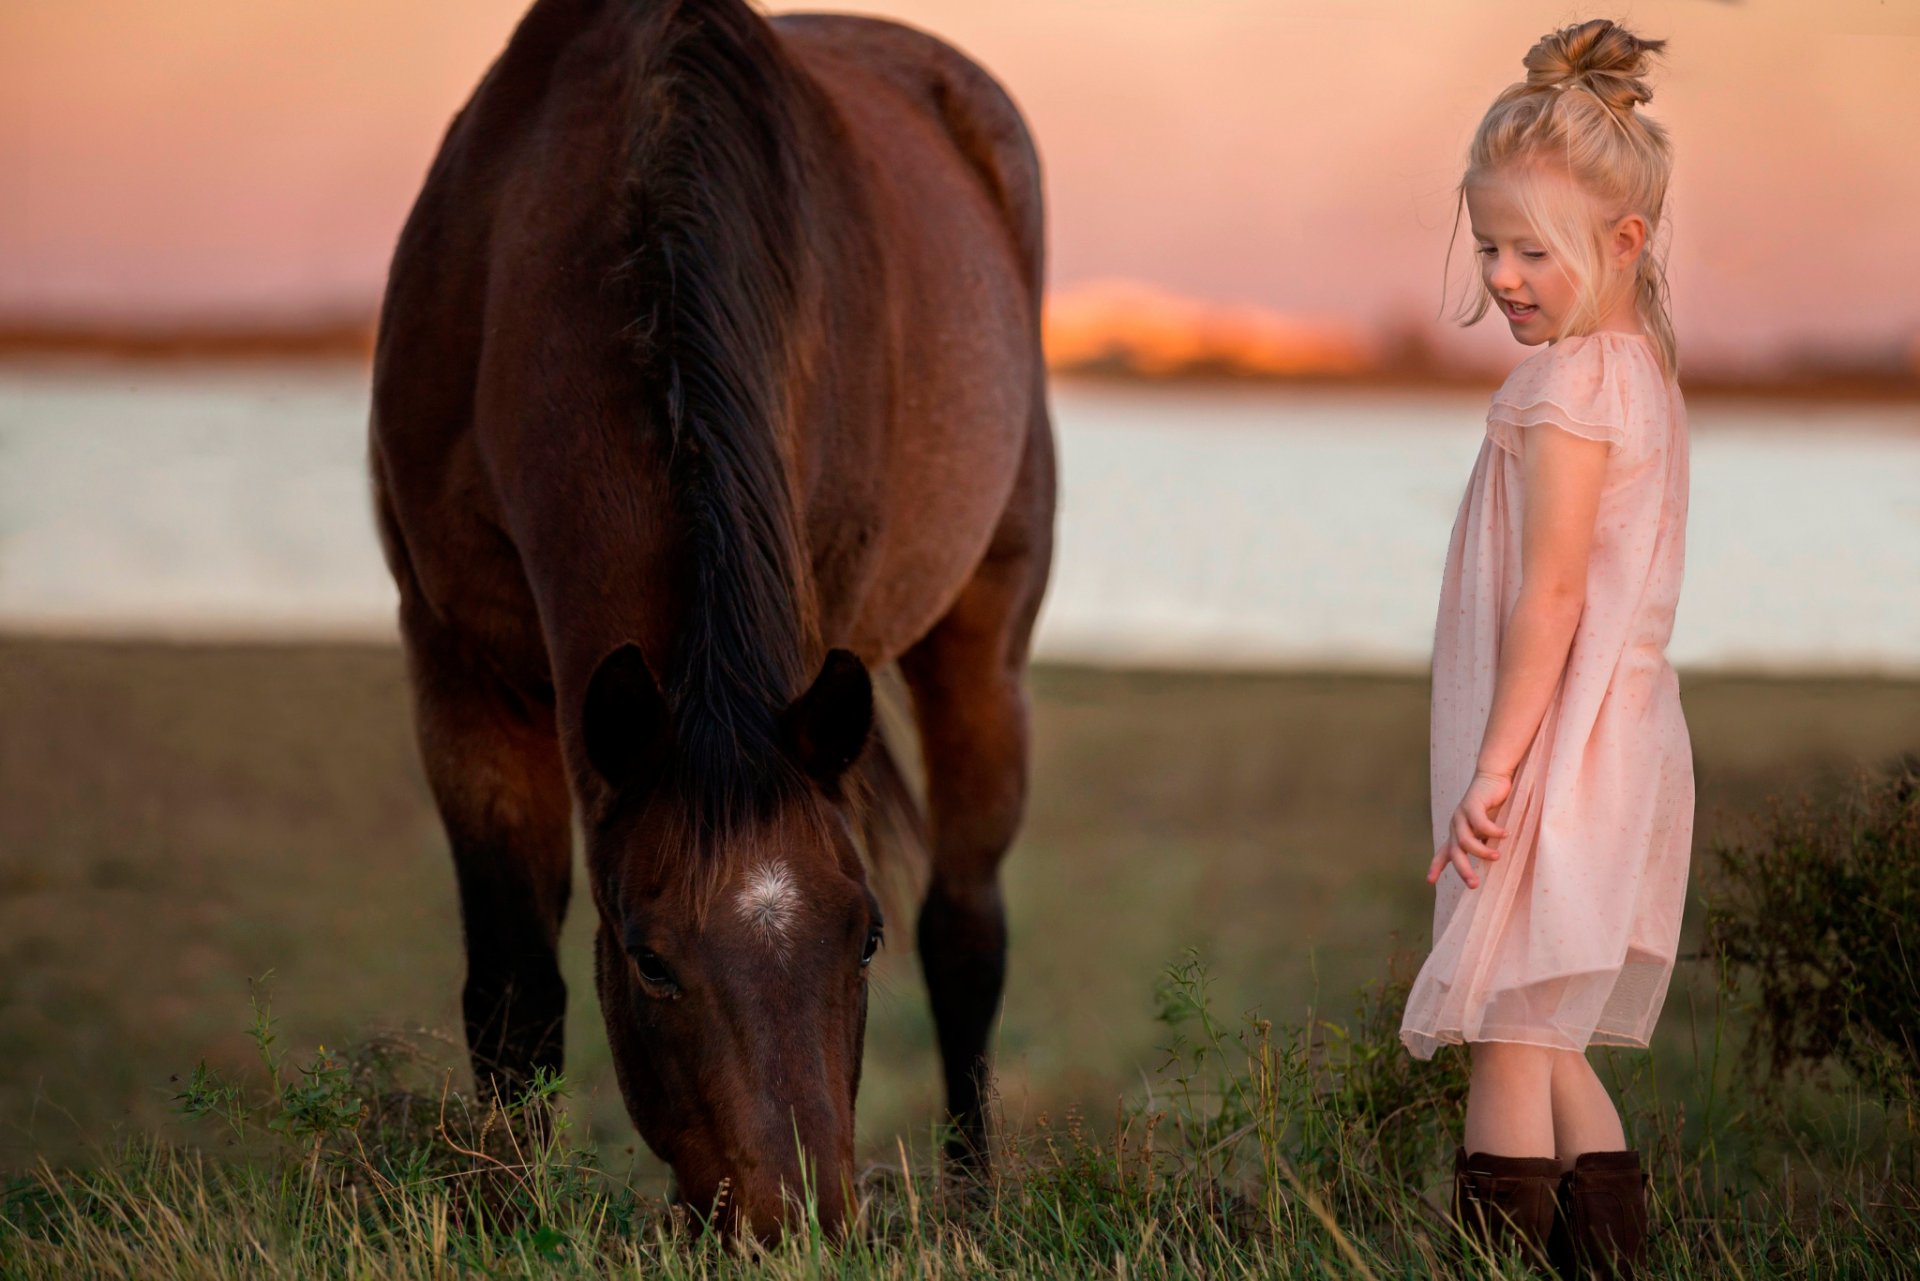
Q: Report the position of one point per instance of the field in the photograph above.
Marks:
(178, 820)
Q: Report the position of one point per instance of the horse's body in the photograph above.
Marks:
(711, 347)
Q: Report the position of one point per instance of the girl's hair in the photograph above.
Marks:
(1575, 114)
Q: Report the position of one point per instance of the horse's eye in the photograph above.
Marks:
(873, 945)
(653, 970)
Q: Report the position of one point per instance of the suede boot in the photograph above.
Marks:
(1602, 1229)
(1506, 1202)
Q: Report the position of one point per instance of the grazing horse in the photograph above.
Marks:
(708, 380)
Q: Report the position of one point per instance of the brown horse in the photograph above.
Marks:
(709, 379)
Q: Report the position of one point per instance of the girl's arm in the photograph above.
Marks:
(1563, 478)
(1564, 473)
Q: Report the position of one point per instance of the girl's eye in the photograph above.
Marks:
(1486, 249)
(1535, 254)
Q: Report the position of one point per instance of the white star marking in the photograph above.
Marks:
(769, 901)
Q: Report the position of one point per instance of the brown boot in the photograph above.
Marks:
(1602, 1232)
(1506, 1202)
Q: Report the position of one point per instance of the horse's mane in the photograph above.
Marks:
(711, 270)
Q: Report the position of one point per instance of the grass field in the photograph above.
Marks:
(177, 820)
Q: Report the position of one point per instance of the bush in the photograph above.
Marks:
(1820, 915)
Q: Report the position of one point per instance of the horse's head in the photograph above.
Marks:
(735, 931)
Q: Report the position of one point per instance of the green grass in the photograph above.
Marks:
(179, 818)
(1310, 1149)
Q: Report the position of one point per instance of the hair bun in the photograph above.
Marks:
(1600, 56)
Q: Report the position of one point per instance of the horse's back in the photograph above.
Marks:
(950, 185)
(497, 297)
(949, 88)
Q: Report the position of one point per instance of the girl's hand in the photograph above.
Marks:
(1473, 828)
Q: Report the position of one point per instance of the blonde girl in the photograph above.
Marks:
(1561, 771)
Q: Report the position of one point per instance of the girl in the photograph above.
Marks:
(1561, 770)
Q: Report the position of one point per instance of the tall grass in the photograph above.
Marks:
(1308, 1149)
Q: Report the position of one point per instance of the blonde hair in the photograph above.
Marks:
(1576, 114)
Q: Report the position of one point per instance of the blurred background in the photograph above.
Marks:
(206, 769)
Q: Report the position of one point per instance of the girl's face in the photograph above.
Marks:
(1531, 289)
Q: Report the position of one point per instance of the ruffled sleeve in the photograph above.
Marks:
(1577, 384)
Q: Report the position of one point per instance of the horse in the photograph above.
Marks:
(708, 382)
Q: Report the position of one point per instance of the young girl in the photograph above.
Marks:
(1561, 770)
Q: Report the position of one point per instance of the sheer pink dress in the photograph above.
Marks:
(1570, 939)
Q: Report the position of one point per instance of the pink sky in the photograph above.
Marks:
(226, 159)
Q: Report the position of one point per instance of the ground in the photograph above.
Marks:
(177, 819)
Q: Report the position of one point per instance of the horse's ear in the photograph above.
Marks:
(624, 718)
(827, 726)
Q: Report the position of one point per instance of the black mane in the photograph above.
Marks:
(714, 192)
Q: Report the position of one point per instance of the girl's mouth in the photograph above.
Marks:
(1519, 310)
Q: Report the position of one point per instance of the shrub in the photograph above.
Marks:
(1820, 915)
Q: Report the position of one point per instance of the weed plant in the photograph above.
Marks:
(1818, 918)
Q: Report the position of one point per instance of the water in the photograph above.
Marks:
(1197, 528)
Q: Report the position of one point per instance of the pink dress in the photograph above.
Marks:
(1570, 939)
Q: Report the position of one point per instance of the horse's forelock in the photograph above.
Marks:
(715, 865)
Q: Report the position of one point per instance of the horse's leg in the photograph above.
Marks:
(493, 762)
(967, 676)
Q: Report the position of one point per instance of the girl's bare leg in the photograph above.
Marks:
(1584, 1118)
(1511, 1107)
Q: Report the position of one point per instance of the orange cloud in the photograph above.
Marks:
(1131, 327)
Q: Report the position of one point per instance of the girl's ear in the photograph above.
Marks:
(1629, 240)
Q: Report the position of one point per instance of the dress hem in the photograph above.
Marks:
(1452, 1036)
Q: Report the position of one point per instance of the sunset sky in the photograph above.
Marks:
(231, 161)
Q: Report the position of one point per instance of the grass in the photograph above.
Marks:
(1303, 1150)
(181, 817)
